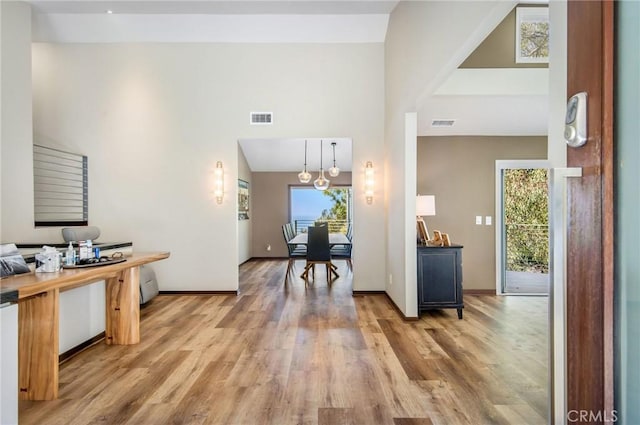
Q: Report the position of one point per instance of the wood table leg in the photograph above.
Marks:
(38, 336)
(123, 308)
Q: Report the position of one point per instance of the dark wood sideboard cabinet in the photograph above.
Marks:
(440, 278)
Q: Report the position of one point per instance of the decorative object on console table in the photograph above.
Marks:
(11, 262)
(440, 278)
(425, 206)
(437, 239)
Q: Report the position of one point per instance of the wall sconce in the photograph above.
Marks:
(218, 182)
(369, 182)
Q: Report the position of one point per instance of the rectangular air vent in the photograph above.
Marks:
(261, 118)
(442, 123)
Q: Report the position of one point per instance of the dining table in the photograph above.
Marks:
(334, 239)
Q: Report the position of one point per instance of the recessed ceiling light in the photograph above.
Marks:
(109, 11)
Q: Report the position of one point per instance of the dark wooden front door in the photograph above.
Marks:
(590, 253)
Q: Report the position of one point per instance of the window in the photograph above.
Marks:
(308, 206)
(60, 187)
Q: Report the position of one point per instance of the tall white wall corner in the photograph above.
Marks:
(410, 185)
(556, 150)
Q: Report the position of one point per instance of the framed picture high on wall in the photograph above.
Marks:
(532, 35)
(243, 200)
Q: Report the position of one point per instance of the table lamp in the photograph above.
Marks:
(425, 206)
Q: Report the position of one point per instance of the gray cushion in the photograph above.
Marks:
(86, 233)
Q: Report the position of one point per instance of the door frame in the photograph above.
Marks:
(590, 248)
(503, 164)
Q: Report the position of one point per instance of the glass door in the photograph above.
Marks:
(627, 205)
(522, 227)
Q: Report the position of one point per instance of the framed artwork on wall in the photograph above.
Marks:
(243, 200)
(532, 35)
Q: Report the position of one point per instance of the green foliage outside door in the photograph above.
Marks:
(526, 220)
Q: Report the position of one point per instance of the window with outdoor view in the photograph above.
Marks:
(308, 206)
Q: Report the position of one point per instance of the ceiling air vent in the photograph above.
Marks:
(261, 118)
(442, 123)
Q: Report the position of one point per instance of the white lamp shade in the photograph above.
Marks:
(425, 205)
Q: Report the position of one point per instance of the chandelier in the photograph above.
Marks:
(334, 171)
(304, 176)
(321, 183)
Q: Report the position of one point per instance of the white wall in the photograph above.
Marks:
(82, 315)
(15, 124)
(557, 150)
(425, 42)
(154, 119)
(9, 364)
(16, 135)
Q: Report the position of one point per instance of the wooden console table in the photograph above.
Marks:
(38, 318)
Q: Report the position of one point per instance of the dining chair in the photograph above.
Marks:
(350, 231)
(290, 231)
(318, 252)
(296, 252)
(343, 252)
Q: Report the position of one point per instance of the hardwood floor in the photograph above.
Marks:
(290, 355)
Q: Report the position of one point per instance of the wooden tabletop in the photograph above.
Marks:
(30, 284)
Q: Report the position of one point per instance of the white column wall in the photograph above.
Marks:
(557, 149)
(425, 42)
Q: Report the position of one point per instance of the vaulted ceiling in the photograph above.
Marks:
(481, 102)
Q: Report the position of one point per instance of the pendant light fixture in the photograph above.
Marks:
(305, 176)
(334, 171)
(321, 183)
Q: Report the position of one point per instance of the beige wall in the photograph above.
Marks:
(270, 203)
(460, 172)
(498, 50)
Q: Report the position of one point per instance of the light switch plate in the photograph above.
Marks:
(478, 219)
(487, 220)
